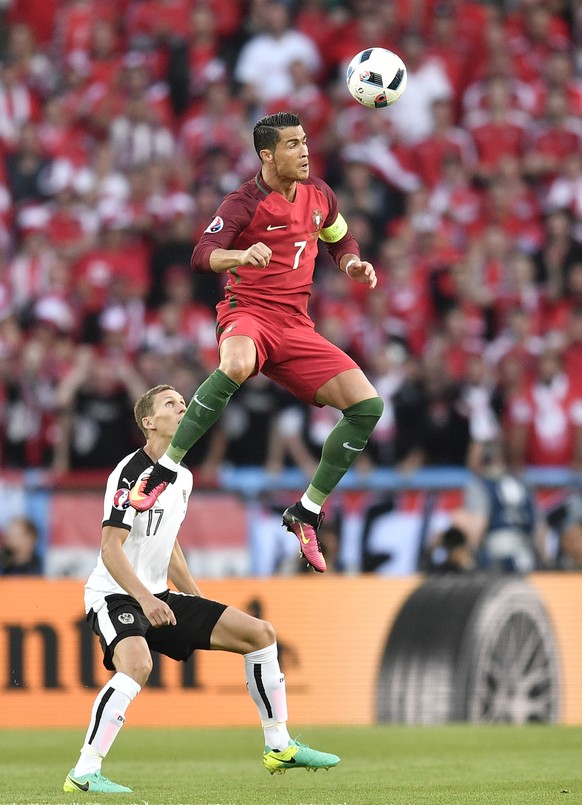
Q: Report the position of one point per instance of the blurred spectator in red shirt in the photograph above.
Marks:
(445, 142)
(511, 206)
(519, 289)
(408, 293)
(115, 257)
(456, 201)
(105, 55)
(216, 123)
(137, 80)
(375, 328)
(517, 338)
(453, 52)
(459, 285)
(18, 103)
(204, 50)
(75, 20)
(556, 136)
(560, 76)
(187, 324)
(534, 33)
(545, 421)
(498, 68)
(40, 18)
(557, 311)
(58, 137)
(72, 225)
(499, 130)
(455, 343)
(368, 23)
(152, 21)
(326, 25)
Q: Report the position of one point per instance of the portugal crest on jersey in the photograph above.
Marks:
(317, 218)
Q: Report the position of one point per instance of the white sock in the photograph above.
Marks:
(310, 505)
(107, 718)
(266, 684)
(169, 463)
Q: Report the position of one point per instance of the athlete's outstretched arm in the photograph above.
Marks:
(179, 572)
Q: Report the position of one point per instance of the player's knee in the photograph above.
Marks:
(139, 669)
(238, 367)
(370, 410)
(265, 634)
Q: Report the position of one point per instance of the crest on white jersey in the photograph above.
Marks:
(216, 225)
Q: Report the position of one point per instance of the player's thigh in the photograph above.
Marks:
(119, 618)
(238, 357)
(196, 618)
(241, 633)
(345, 389)
(304, 361)
(244, 341)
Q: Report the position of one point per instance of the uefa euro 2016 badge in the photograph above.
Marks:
(216, 225)
(121, 499)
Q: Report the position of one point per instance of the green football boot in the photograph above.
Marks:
(94, 782)
(297, 756)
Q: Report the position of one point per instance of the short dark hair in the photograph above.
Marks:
(266, 130)
(145, 405)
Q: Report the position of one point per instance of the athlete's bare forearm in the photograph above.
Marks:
(256, 255)
(156, 611)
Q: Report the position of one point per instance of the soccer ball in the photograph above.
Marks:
(376, 77)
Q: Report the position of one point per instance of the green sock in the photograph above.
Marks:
(343, 445)
(207, 404)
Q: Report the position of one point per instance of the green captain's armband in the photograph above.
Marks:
(335, 232)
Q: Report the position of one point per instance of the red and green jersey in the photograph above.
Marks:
(291, 229)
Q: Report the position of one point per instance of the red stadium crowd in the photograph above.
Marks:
(124, 122)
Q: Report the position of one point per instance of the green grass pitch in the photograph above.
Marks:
(381, 765)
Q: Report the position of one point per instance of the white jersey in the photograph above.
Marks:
(152, 534)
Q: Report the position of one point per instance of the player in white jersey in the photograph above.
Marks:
(132, 610)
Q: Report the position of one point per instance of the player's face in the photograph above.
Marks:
(291, 157)
(169, 408)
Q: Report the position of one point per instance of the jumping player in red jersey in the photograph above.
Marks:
(265, 235)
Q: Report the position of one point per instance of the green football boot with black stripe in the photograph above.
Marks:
(297, 756)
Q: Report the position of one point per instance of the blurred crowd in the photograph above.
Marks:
(124, 122)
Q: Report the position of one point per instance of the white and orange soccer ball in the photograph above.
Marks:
(376, 77)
